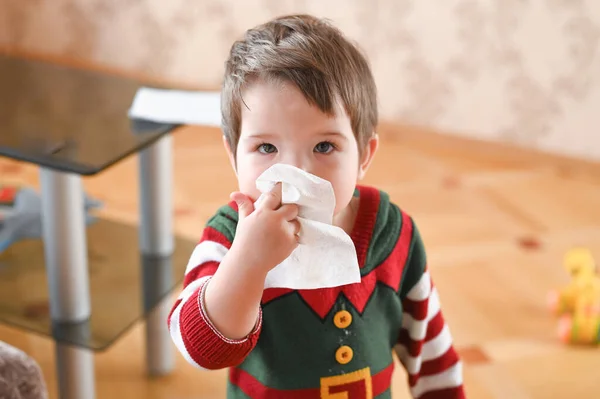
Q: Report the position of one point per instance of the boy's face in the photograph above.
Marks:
(280, 126)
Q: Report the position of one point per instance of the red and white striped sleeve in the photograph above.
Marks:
(425, 346)
(191, 330)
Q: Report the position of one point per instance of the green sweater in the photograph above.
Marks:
(316, 343)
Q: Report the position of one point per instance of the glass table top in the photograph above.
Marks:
(69, 119)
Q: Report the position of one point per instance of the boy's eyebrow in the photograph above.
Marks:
(265, 136)
(336, 134)
(259, 135)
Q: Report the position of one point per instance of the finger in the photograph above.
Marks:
(271, 199)
(295, 228)
(244, 204)
(288, 211)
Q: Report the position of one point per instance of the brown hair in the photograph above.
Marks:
(310, 53)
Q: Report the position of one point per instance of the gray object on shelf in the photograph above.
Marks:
(24, 220)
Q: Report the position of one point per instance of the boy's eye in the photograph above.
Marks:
(324, 147)
(267, 148)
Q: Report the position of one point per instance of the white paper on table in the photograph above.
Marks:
(177, 106)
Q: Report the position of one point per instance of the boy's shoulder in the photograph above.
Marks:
(378, 202)
(396, 245)
(388, 230)
(389, 217)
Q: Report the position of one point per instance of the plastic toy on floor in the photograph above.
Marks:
(578, 303)
(21, 214)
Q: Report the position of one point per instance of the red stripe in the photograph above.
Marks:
(434, 366)
(439, 364)
(447, 393)
(233, 205)
(177, 302)
(412, 347)
(206, 269)
(212, 234)
(418, 310)
(270, 294)
(383, 380)
(390, 272)
(434, 328)
(365, 221)
(254, 389)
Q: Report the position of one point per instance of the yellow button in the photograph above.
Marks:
(344, 354)
(342, 319)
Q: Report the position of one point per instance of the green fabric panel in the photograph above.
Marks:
(385, 234)
(385, 395)
(234, 392)
(296, 348)
(224, 221)
(415, 263)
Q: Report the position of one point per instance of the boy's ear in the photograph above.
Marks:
(230, 154)
(368, 155)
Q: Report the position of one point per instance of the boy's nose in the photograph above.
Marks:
(299, 163)
(303, 167)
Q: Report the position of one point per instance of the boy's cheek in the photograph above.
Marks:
(247, 184)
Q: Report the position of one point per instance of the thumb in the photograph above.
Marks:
(245, 205)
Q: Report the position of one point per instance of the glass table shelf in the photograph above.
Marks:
(124, 285)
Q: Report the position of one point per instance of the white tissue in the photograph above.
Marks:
(326, 256)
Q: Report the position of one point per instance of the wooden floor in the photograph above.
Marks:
(496, 222)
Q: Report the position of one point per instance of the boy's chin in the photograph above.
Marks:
(342, 210)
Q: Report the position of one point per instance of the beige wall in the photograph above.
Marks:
(523, 71)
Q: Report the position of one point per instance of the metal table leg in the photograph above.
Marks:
(65, 251)
(156, 239)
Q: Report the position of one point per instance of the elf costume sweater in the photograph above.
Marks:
(333, 342)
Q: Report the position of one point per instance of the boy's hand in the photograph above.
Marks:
(266, 235)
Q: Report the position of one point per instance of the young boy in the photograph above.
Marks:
(297, 92)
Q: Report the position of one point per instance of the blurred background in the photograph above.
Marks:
(525, 72)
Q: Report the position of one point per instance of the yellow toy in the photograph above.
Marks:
(578, 303)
